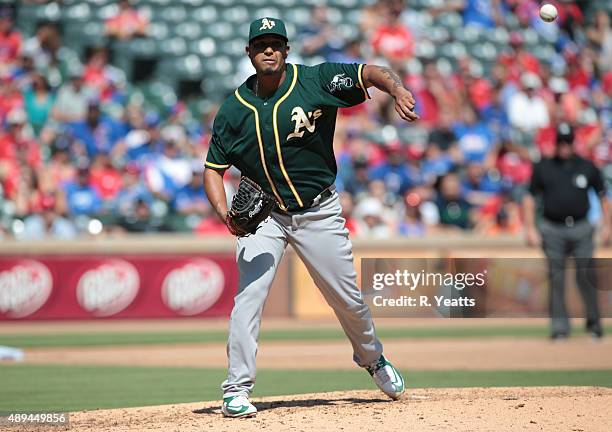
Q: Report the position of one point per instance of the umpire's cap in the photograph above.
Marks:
(267, 25)
(565, 133)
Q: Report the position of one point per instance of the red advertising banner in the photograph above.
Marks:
(130, 286)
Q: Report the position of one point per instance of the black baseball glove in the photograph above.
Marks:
(250, 206)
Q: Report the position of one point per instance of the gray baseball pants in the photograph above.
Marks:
(320, 239)
(559, 243)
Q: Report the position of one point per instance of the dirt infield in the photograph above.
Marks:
(436, 354)
(555, 409)
(207, 324)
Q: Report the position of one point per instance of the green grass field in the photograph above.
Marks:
(101, 339)
(69, 388)
(72, 388)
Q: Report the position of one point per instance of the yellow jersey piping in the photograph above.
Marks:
(261, 149)
(275, 125)
(365, 90)
(214, 165)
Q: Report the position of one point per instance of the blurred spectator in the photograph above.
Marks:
(482, 13)
(142, 143)
(355, 177)
(60, 168)
(495, 116)
(140, 221)
(174, 129)
(429, 93)
(81, 197)
(168, 172)
(351, 53)
(478, 13)
(453, 208)
(191, 198)
(102, 76)
(391, 39)
(500, 215)
(390, 201)
(44, 47)
(133, 190)
(474, 137)
(48, 224)
(517, 60)
(470, 80)
(348, 206)
(396, 174)
(32, 190)
(514, 168)
(372, 16)
(17, 150)
(127, 23)
(105, 178)
(38, 102)
(371, 223)
(436, 163)
(10, 38)
(412, 224)
(479, 185)
(565, 105)
(319, 37)
(600, 35)
(579, 70)
(72, 98)
(96, 133)
(442, 134)
(11, 98)
(22, 71)
(527, 111)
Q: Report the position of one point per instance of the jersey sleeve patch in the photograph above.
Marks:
(342, 84)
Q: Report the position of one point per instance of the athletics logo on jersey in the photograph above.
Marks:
(267, 24)
(302, 120)
(339, 81)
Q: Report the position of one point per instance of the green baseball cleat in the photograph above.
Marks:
(238, 406)
(387, 378)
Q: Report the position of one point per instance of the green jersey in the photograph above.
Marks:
(285, 142)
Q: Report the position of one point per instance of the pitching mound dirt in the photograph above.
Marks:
(475, 409)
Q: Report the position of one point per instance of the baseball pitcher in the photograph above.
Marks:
(277, 129)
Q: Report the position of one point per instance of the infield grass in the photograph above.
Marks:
(143, 338)
(72, 388)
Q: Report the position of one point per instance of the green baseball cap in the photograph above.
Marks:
(267, 25)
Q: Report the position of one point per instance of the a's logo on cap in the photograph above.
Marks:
(267, 24)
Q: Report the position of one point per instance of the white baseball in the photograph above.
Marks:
(548, 13)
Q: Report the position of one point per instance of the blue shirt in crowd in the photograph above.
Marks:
(82, 200)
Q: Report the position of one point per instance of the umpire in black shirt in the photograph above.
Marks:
(563, 182)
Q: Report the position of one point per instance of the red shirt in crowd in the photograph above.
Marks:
(127, 22)
(567, 10)
(514, 168)
(517, 64)
(10, 46)
(546, 139)
(106, 181)
(14, 153)
(9, 101)
(393, 41)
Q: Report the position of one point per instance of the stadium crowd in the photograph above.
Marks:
(79, 156)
